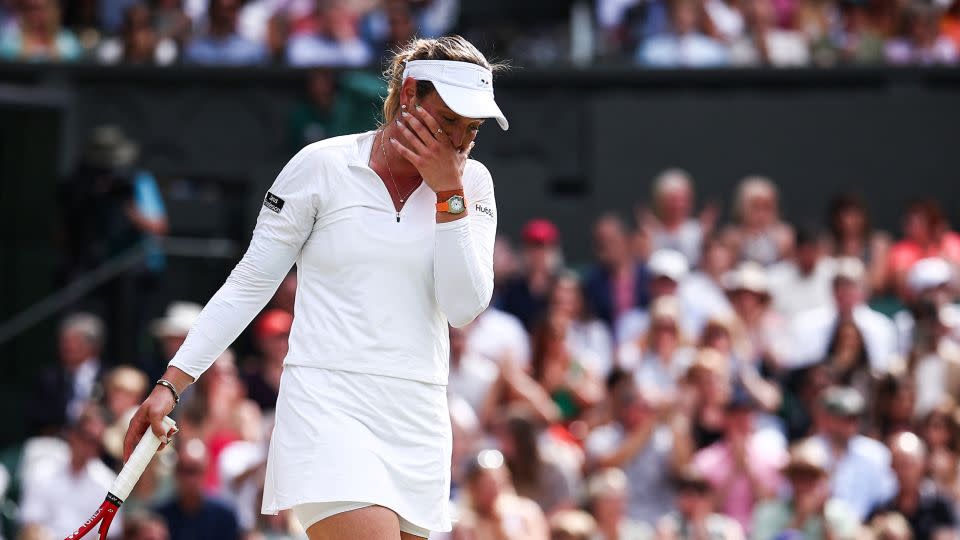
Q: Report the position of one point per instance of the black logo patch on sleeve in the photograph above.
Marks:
(273, 202)
(483, 209)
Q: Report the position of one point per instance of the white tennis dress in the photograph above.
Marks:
(362, 412)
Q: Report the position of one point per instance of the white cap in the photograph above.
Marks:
(464, 86)
(749, 276)
(849, 268)
(928, 273)
(668, 263)
(178, 320)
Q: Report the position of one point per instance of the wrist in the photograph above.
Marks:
(444, 194)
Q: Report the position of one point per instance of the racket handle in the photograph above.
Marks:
(138, 461)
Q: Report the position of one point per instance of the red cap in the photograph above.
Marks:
(272, 323)
(540, 231)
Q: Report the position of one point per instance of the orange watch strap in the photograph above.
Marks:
(442, 196)
(443, 206)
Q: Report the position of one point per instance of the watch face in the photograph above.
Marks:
(455, 204)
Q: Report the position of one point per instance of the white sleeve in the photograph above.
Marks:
(463, 251)
(285, 221)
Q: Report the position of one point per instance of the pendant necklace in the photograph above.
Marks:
(392, 179)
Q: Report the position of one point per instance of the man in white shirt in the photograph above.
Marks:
(61, 500)
(859, 466)
(64, 389)
(498, 336)
(668, 269)
(471, 374)
(805, 282)
(813, 330)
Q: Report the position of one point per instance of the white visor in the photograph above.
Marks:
(465, 87)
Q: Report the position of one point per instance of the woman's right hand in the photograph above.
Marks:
(150, 414)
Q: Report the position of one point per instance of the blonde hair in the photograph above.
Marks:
(454, 48)
(753, 186)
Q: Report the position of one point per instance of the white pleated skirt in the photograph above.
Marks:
(344, 436)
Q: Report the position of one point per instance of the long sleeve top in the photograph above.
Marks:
(375, 290)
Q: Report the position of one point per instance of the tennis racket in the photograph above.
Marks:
(124, 483)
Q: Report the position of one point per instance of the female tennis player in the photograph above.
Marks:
(392, 232)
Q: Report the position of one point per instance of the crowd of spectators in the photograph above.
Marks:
(361, 33)
(698, 379)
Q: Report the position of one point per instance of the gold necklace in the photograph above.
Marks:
(392, 179)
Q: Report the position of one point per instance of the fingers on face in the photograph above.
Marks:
(427, 119)
(407, 154)
(413, 139)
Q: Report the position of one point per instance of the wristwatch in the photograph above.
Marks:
(454, 205)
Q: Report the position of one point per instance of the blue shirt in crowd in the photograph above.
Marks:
(214, 520)
(233, 50)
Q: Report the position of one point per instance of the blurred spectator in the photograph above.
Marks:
(744, 465)
(617, 282)
(124, 388)
(667, 270)
(950, 23)
(813, 330)
(695, 518)
(171, 331)
(929, 514)
(861, 41)
(894, 401)
(572, 525)
(222, 44)
(276, 37)
(727, 19)
(536, 474)
(572, 386)
(241, 467)
(803, 282)
(764, 43)
(500, 337)
(851, 236)
(495, 511)
(940, 427)
(37, 34)
(525, 296)
(171, 21)
(336, 42)
(138, 42)
(683, 45)
(472, 375)
(647, 449)
(659, 357)
(217, 412)
(67, 495)
(262, 378)
(929, 294)
(764, 345)
(333, 105)
(701, 293)
(758, 233)
(860, 466)
(671, 225)
(607, 495)
(64, 390)
(847, 361)
(145, 526)
(890, 526)
(922, 42)
(708, 381)
(112, 207)
(588, 338)
(192, 513)
(810, 512)
(926, 234)
(397, 17)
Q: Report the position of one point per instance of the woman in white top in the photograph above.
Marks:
(392, 232)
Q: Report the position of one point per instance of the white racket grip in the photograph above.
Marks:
(138, 461)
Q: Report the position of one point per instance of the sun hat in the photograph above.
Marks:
(179, 318)
(465, 87)
(668, 263)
